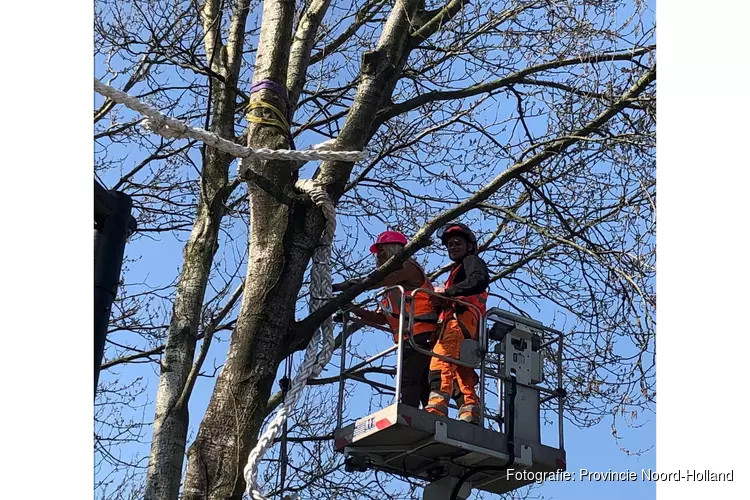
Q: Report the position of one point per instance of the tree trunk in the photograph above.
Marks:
(284, 231)
(171, 420)
(280, 248)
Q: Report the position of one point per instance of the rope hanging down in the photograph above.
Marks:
(313, 363)
(171, 128)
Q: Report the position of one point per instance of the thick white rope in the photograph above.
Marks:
(313, 363)
(171, 128)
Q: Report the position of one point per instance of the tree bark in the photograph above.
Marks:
(283, 233)
(304, 39)
(171, 418)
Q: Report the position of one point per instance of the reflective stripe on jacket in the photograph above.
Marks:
(425, 316)
(467, 317)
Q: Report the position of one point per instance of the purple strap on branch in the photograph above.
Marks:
(267, 84)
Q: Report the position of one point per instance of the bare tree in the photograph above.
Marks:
(531, 120)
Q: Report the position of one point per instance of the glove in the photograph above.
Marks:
(439, 302)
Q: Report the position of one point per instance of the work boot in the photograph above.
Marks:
(469, 414)
(438, 403)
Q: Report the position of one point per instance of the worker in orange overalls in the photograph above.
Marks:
(468, 282)
(415, 366)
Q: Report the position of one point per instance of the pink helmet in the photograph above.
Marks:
(388, 237)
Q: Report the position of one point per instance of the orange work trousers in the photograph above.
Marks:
(443, 375)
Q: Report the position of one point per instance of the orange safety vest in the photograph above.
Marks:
(425, 316)
(467, 318)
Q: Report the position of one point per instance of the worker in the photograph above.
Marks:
(415, 366)
(468, 281)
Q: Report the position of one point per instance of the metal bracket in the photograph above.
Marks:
(525, 458)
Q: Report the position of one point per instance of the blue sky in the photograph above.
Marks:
(594, 448)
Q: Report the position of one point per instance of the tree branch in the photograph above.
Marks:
(517, 77)
(304, 39)
(236, 37)
(140, 71)
(360, 18)
(133, 357)
(436, 20)
(211, 16)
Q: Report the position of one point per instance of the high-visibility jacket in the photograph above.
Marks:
(466, 316)
(425, 316)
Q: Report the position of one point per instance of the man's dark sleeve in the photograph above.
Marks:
(477, 278)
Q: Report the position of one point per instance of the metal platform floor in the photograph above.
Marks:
(409, 442)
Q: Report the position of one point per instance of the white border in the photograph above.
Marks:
(47, 251)
(702, 264)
